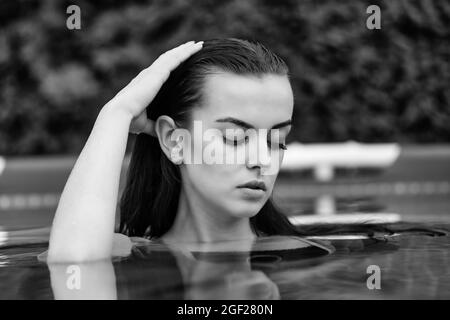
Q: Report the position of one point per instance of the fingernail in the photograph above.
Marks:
(200, 43)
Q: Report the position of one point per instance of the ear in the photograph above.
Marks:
(164, 128)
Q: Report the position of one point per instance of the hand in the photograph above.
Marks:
(138, 94)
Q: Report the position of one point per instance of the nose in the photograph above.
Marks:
(258, 153)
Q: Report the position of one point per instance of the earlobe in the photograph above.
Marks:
(176, 154)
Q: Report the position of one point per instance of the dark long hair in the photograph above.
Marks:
(149, 201)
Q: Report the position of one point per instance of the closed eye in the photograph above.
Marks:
(236, 142)
(280, 145)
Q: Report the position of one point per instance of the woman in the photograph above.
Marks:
(221, 84)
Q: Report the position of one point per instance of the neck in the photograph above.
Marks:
(197, 223)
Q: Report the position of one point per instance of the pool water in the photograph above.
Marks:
(412, 265)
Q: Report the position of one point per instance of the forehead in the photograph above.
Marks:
(261, 101)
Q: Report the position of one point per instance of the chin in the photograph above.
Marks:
(246, 210)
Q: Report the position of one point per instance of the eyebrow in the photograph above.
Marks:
(249, 126)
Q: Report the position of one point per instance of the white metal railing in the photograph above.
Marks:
(324, 158)
(2, 165)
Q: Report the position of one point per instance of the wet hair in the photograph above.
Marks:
(149, 201)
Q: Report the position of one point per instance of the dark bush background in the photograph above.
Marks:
(350, 82)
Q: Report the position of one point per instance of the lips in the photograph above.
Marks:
(254, 184)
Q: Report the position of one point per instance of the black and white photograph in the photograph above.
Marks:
(224, 150)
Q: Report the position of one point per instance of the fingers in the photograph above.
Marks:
(171, 59)
(143, 125)
(150, 128)
(148, 82)
(137, 95)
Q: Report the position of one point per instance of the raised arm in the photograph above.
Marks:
(83, 226)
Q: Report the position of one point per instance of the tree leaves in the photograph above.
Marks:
(349, 82)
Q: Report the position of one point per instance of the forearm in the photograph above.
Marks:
(83, 226)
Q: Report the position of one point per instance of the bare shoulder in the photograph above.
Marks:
(122, 245)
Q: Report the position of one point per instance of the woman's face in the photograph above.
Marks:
(238, 103)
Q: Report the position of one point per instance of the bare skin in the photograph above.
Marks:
(86, 209)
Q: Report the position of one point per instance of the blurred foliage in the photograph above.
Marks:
(349, 82)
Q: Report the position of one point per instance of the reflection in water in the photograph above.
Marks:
(157, 270)
(178, 275)
(412, 265)
(225, 270)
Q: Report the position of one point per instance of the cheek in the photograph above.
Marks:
(271, 171)
(214, 178)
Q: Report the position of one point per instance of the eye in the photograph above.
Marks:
(276, 136)
(234, 137)
(234, 141)
(280, 145)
